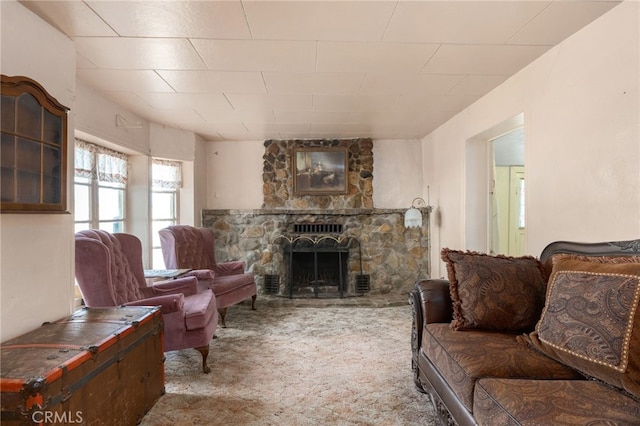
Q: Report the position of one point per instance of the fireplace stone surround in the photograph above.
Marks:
(393, 256)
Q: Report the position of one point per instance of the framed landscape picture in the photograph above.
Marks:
(320, 171)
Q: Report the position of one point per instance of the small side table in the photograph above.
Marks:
(152, 275)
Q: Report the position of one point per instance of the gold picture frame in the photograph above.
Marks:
(320, 171)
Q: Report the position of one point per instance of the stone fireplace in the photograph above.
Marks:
(322, 244)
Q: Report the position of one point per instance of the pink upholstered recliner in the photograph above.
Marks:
(109, 272)
(187, 247)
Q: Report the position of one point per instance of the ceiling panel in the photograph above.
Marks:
(558, 21)
(257, 55)
(482, 59)
(177, 19)
(213, 81)
(373, 57)
(319, 20)
(242, 69)
(312, 83)
(460, 22)
(139, 53)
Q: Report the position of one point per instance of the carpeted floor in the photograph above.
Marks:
(339, 365)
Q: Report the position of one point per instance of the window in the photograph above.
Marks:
(167, 180)
(100, 185)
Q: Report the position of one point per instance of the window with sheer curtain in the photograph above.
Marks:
(100, 185)
(166, 177)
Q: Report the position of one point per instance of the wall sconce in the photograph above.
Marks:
(413, 217)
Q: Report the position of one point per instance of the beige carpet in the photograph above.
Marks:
(298, 366)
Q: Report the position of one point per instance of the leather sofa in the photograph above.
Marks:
(479, 372)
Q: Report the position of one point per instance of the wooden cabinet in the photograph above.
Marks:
(33, 151)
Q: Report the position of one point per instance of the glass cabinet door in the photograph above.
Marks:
(33, 156)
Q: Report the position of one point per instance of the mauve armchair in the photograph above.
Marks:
(109, 272)
(188, 247)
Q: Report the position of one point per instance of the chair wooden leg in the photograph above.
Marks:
(204, 350)
(253, 301)
(223, 313)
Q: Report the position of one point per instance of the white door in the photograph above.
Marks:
(516, 211)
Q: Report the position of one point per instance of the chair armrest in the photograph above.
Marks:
(201, 274)
(435, 300)
(229, 268)
(185, 285)
(168, 303)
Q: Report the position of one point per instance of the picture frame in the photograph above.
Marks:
(320, 171)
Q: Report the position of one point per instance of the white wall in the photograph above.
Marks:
(582, 142)
(36, 250)
(234, 174)
(397, 173)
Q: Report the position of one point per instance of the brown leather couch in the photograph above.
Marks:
(492, 377)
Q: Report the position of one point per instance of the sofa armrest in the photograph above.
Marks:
(435, 300)
(430, 302)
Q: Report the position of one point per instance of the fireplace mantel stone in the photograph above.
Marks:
(393, 256)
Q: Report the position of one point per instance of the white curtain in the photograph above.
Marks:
(93, 161)
(166, 174)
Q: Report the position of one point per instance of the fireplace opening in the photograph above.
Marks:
(317, 266)
(318, 273)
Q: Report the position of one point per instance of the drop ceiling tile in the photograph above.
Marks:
(351, 102)
(205, 19)
(399, 83)
(560, 20)
(213, 101)
(310, 83)
(373, 56)
(442, 105)
(276, 128)
(214, 81)
(74, 18)
(257, 55)
(130, 101)
(224, 116)
(318, 20)
(252, 101)
(482, 59)
(471, 22)
(123, 80)
(139, 53)
(179, 116)
(310, 116)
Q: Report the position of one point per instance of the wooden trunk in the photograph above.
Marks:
(100, 366)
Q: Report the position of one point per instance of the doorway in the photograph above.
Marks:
(500, 145)
(507, 225)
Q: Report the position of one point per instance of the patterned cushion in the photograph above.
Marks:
(551, 402)
(464, 357)
(591, 320)
(494, 292)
